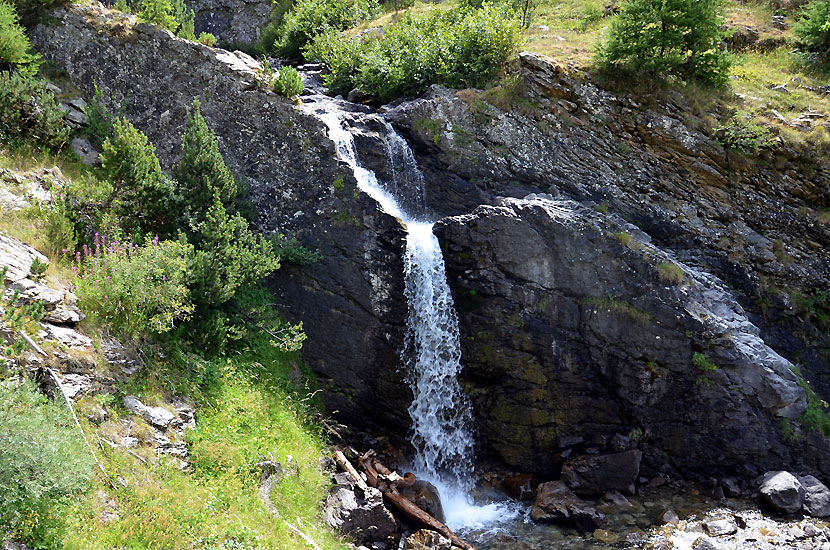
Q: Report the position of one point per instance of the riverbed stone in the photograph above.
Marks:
(556, 503)
(426, 540)
(782, 491)
(816, 496)
(720, 527)
(426, 497)
(597, 474)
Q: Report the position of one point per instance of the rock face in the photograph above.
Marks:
(593, 475)
(816, 497)
(755, 224)
(568, 329)
(555, 503)
(426, 540)
(231, 21)
(348, 302)
(783, 492)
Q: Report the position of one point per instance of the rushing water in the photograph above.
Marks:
(440, 411)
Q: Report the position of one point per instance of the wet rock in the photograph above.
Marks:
(668, 517)
(782, 491)
(720, 527)
(608, 537)
(358, 514)
(556, 503)
(705, 543)
(424, 495)
(426, 540)
(615, 498)
(816, 497)
(519, 487)
(157, 416)
(597, 474)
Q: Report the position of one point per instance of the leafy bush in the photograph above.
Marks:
(813, 28)
(743, 134)
(207, 39)
(141, 191)
(309, 18)
(456, 47)
(42, 460)
(172, 15)
(286, 81)
(290, 250)
(60, 228)
(669, 38)
(15, 49)
(135, 288)
(29, 114)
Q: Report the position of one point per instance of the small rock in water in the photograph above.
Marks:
(811, 530)
(606, 536)
(519, 487)
(720, 527)
(705, 543)
(668, 517)
(796, 532)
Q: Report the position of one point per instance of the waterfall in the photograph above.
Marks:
(440, 411)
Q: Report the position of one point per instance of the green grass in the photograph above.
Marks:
(700, 361)
(619, 307)
(670, 273)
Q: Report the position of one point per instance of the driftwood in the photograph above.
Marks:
(388, 482)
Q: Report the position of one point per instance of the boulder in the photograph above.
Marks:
(425, 496)
(782, 492)
(359, 514)
(157, 416)
(519, 487)
(426, 540)
(594, 475)
(816, 497)
(556, 503)
(720, 527)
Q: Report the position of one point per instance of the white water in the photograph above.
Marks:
(440, 411)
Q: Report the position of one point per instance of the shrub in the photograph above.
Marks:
(158, 12)
(457, 47)
(16, 317)
(135, 289)
(813, 28)
(42, 460)
(290, 250)
(669, 38)
(29, 114)
(286, 81)
(15, 49)
(743, 134)
(309, 18)
(670, 273)
(207, 39)
(701, 362)
(141, 191)
(60, 228)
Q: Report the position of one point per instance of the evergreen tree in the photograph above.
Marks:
(15, 49)
(202, 173)
(141, 191)
(159, 12)
(813, 28)
(669, 37)
(229, 256)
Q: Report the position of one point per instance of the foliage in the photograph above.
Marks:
(743, 134)
(290, 250)
(141, 191)
(134, 288)
(286, 81)
(669, 38)
(29, 114)
(207, 39)
(158, 12)
(42, 460)
(15, 49)
(701, 362)
(101, 124)
(60, 230)
(309, 18)
(670, 273)
(813, 28)
(457, 47)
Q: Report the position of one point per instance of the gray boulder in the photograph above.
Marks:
(782, 491)
(556, 503)
(157, 416)
(593, 475)
(359, 514)
(425, 496)
(816, 497)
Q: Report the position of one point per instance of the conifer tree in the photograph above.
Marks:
(669, 37)
(202, 173)
(15, 49)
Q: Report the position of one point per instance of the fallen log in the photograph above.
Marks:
(387, 481)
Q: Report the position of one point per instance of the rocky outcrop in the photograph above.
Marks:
(348, 301)
(231, 21)
(359, 514)
(755, 223)
(555, 503)
(572, 326)
(597, 474)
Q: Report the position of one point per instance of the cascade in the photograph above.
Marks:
(440, 411)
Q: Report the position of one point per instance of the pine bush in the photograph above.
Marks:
(29, 114)
(813, 29)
